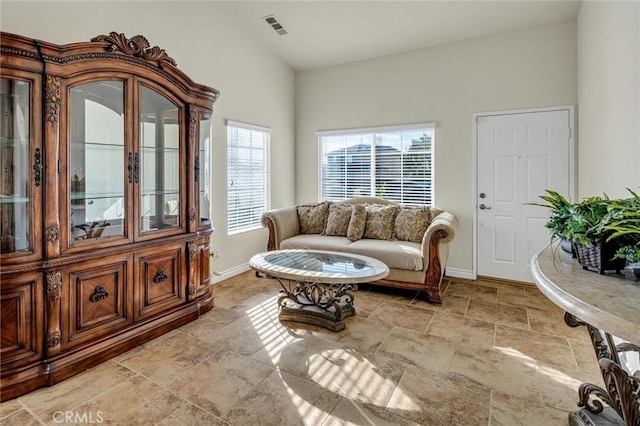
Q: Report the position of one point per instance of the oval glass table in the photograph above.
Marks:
(609, 307)
(317, 284)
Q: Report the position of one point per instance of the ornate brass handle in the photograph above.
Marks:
(130, 167)
(136, 168)
(160, 277)
(99, 293)
(37, 166)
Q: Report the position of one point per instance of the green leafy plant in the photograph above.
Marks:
(623, 223)
(587, 220)
(560, 212)
(577, 222)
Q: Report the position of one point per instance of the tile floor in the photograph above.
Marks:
(494, 354)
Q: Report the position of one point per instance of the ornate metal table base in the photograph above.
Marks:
(584, 417)
(622, 391)
(324, 305)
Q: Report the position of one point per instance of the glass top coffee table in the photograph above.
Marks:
(318, 283)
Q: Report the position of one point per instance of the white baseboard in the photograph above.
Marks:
(221, 276)
(460, 273)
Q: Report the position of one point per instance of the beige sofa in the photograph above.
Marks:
(417, 264)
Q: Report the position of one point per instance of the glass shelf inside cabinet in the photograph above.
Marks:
(13, 142)
(13, 199)
(97, 165)
(15, 165)
(98, 146)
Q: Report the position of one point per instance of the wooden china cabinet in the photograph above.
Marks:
(104, 203)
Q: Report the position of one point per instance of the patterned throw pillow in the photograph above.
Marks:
(338, 219)
(357, 222)
(411, 223)
(379, 222)
(312, 218)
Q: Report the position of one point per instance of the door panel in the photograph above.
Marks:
(519, 156)
(21, 311)
(161, 280)
(98, 300)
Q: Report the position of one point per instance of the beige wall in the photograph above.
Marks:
(446, 84)
(210, 48)
(609, 98)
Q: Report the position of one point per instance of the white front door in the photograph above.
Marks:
(519, 155)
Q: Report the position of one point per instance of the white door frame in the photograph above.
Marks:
(474, 164)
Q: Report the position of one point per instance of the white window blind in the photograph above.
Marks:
(392, 162)
(248, 175)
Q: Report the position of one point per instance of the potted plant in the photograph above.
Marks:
(624, 223)
(583, 225)
(560, 209)
(587, 229)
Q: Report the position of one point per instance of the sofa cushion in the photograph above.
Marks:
(379, 222)
(338, 219)
(316, 242)
(411, 223)
(395, 254)
(312, 217)
(357, 222)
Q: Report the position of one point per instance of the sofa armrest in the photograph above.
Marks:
(282, 224)
(444, 221)
(441, 231)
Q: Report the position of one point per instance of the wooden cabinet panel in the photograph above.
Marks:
(204, 270)
(161, 280)
(97, 299)
(21, 312)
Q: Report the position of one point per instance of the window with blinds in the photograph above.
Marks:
(248, 175)
(393, 162)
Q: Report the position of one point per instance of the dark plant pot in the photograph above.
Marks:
(598, 257)
(567, 247)
(632, 273)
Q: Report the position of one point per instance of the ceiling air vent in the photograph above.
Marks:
(277, 26)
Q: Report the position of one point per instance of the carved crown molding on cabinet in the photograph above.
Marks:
(137, 46)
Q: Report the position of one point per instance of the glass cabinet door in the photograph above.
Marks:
(160, 162)
(204, 174)
(15, 211)
(96, 163)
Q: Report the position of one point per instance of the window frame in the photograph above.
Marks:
(251, 224)
(374, 171)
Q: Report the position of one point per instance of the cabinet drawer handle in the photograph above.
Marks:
(99, 293)
(160, 277)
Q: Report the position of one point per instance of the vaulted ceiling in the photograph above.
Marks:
(324, 33)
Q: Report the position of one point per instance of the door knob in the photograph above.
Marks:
(483, 207)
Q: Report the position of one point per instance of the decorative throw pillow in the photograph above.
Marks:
(338, 219)
(357, 222)
(312, 217)
(379, 222)
(411, 223)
